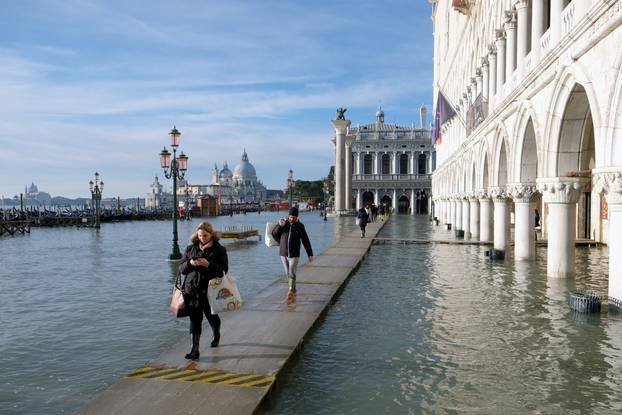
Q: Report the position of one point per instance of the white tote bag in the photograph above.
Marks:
(268, 238)
(223, 294)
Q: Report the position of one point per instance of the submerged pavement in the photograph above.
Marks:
(256, 343)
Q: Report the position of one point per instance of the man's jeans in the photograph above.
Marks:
(290, 265)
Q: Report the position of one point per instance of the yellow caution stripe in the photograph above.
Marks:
(201, 376)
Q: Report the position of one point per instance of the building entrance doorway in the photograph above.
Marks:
(403, 205)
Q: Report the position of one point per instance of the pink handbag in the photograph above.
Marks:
(178, 306)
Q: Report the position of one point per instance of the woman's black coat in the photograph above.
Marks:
(195, 285)
(290, 244)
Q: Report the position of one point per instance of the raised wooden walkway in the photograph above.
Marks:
(256, 343)
(402, 241)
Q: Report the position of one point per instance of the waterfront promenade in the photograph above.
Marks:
(257, 342)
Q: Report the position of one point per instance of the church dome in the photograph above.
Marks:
(225, 173)
(245, 170)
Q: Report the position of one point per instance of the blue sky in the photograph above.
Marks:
(96, 85)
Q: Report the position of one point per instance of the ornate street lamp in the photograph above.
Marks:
(178, 166)
(97, 187)
(290, 185)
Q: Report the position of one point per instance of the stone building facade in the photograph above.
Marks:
(383, 164)
(537, 87)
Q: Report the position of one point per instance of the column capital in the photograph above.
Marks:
(521, 4)
(341, 126)
(561, 189)
(478, 72)
(499, 37)
(482, 195)
(492, 49)
(522, 192)
(509, 20)
(485, 63)
(608, 181)
(498, 193)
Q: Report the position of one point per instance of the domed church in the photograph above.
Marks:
(243, 180)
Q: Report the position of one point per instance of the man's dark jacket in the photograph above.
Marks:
(195, 287)
(290, 235)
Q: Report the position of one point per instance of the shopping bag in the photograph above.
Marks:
(223, 294)
(178, 306)
(358, 221)
(269, 239)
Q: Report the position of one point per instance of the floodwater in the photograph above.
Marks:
(79, 308)
(439, 329)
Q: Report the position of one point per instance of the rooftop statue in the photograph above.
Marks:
(340, 112)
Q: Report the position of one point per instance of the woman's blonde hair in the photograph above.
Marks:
(207, 227)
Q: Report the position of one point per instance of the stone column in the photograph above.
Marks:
(392, 169)
(501, 237)
(458, 225)
(394, 201)
(609, 181)
(557, 7)
(413, 203)
(537, 27)
(561, 194)
(492, 76)
(500, 43)
(510, 32)
(474, 215)
(341, 127)
(524, 220)
(466, 219)
(379, 163)
(522, 15)
(348, 174)
(377, 197)
(485, 217)
(411, 162)
(485, 81)
(452, 212)
(359, 199)
(479, 82)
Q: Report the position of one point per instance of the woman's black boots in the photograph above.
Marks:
(216, 331)
(194, 353)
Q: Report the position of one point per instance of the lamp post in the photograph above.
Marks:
(290, 186)
(96, 187)
(178, 166)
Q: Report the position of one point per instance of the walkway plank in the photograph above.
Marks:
(257, 340)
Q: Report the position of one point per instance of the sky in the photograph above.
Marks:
(96, 85)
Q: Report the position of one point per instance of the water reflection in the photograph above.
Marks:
(442, 329)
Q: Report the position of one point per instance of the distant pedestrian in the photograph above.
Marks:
(291, 233)
(204, 259)
(374, 212)
(363, 218)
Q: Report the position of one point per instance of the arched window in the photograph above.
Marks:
(386, 164)
(422, 164)
(404, 164)
(367, 164)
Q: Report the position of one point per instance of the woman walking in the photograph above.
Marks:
(290, 234)
(363, 218)
(204, 259)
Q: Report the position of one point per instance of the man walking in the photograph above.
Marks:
(290, 233)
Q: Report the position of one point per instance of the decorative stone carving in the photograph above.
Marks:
(499, 34)
(498, 193)
(492, 50)
(482, 194)
(609, 182)
(561, 189)
(522, 192)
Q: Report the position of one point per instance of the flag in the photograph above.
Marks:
(443, 113)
